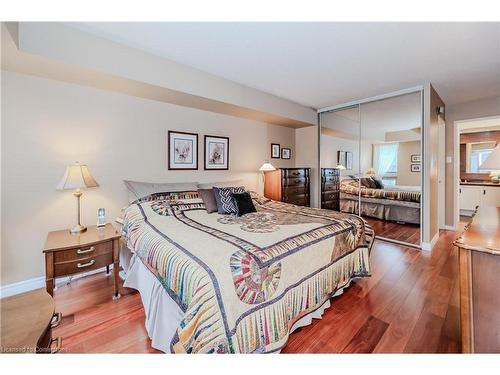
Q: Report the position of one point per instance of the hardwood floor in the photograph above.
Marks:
(408, 305)
(409, 233)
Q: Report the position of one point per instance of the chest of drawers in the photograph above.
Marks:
(330, 189)
(289, 185)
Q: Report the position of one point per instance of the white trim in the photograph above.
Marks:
(450, 227)
(373, 98)
(39, 282)
(427, 246)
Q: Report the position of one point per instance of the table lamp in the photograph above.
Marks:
(77, 176)
(492, 163)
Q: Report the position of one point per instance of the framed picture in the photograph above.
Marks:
(286, 153)
(216, 152)
(415, 158)
(415, 168)
(345, 158)
(182, 150)
(275, 150)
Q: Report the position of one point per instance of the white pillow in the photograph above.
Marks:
(210, 185)
(137, 189)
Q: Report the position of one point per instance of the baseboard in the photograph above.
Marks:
(427, 246)
(449, 227)
(39, 282)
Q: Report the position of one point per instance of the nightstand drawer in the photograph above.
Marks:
(83, 252)
(82, 265)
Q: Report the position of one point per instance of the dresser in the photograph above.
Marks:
(330, 189)
(67, 254)
(27, 322)
(479, 277)
(289, 185)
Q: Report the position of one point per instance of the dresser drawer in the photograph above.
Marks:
(330, 188)
(83, 252)
(296, 181)
(297, 172)
(330, 196)
(330, 179)
(291, 191)
(82, 265)
(330, 172)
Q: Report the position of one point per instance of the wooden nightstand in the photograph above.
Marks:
(68, 254)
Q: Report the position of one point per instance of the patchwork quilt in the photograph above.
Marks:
(406, 194)
(242, 282)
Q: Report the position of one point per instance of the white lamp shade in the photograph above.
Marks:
(340, 166)
(77, 176)
(492, 162)
(267, 167)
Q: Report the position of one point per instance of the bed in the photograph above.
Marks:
(213, 283)
(391, 203)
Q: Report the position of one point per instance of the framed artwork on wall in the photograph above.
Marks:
(415, 168)
(415, 158)
(345, 158)
(182, 150)
(216, 153)
(275, 150)
(286, 153)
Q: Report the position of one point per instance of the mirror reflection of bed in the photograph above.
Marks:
(374, 152)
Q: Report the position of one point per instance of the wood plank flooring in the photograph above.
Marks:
(408, 305)
(409, 233)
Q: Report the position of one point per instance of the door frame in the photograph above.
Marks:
(456, 166)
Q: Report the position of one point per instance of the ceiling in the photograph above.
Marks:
(323, 64)
(480, 125)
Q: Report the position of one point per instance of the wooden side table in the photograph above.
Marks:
(68, 254)
(27, 322)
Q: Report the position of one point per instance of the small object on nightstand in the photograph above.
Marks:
(68, 254)
(101, 217)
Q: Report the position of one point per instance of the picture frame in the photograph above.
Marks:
(345, 158)
(415, 158)
(286, 153)
(182, 150)
(416, 167)
(216, 155)
(275, 151)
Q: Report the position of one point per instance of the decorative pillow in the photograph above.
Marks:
(138, 190)
(225, 200)
(378, 182)
(208, 197)
(244, 203)
(368, 183)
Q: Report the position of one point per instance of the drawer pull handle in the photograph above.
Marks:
(58, 347)
(85, 251)
(57, 321)
(88, 264)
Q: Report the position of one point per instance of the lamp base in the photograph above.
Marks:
(78, 229)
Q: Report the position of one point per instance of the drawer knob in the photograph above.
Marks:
(58, 347)
(88, 264)
(57, 321)
(84, 251)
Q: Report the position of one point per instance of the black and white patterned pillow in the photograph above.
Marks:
(225, 200)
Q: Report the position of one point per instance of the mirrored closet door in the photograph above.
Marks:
(373, 150)
(339, 158)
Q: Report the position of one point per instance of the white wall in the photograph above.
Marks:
(307, 156)
(48, 124)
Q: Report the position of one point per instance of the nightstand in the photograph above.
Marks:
(67, 254)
